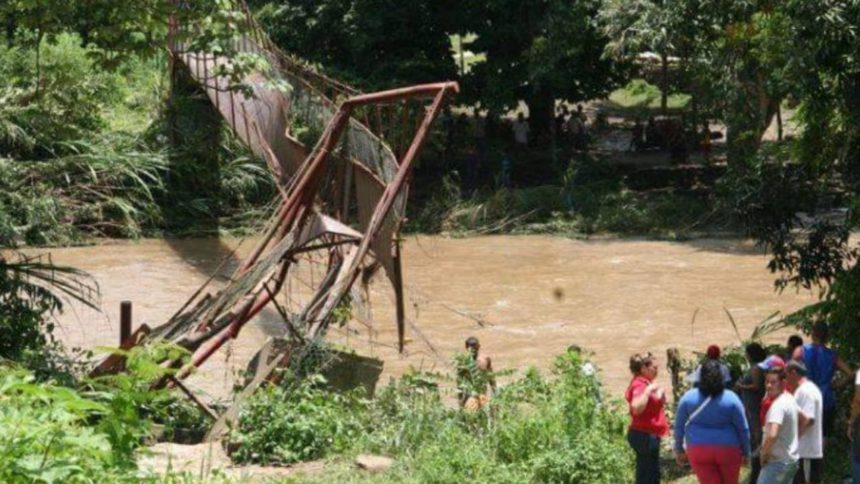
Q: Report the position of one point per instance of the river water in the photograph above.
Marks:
(534, 295)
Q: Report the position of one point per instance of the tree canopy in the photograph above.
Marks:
(374, 44)
(539, 51)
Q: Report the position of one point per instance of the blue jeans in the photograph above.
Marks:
(777, 473)
(647, 449)
(855, 470)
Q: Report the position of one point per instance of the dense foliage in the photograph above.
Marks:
(555, 429)
(538, 51)
(85, 432)
(85, 151)
(298, 423)
(374, 44)
(45, 435)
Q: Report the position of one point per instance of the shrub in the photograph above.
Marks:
(302, 422)
(537, 429)
(45, 434)
(59, 99)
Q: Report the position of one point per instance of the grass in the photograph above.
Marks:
(640, 95)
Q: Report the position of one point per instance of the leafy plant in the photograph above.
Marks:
(31, 290)
(302, 422)
(531, 431)
(45, 435)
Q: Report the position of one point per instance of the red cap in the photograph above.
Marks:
(713, 352)
(772, 362)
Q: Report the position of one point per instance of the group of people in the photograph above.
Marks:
(776, 418)
(571, 128)
(471, 141)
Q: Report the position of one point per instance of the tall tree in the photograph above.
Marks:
(539, 51)
(732, 55)
(371, 43)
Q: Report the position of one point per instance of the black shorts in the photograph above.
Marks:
(829, 416)
(810, 471)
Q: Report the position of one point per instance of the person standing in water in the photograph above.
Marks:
(648, 425)
(477, 378)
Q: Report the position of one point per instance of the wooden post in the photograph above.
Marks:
(673, 362)
(124, 322)
(398, 292)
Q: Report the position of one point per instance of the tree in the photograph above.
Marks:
(637, 26)
(119, 30)
(374, 44)
(732, 56)
(539, 51)
(31, 289)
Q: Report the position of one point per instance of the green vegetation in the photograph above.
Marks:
(84, 152)
(97, 140)
(298, 423)
(32, 290)
(594, 200)
(86, 431)
(45, 435)
(638, 95)
(536, 429)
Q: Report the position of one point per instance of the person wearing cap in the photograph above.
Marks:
(648, 424)
(779, 450)
(768, 364)
(712, 353)
(821, 365)
(711, 422)
(810, 446)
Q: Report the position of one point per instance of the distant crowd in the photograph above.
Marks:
(467, 141)
(777, 418)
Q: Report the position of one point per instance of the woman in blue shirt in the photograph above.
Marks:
(711, 423)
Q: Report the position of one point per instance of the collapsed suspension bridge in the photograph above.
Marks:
(342, 201)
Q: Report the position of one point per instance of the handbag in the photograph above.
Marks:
(692, 416)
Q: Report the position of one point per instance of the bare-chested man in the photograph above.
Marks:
(474, 382)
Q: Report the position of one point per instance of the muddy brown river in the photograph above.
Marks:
(534, 295)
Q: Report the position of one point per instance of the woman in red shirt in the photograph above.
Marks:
(648, 425)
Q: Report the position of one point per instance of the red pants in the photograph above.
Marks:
(715, 464)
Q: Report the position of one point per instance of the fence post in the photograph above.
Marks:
(124, 322)
(673, 362)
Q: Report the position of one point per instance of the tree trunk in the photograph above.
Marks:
(39, 36)
(664, 81)
(10, 29)
(751, 112)
(778, 121)
(541, 110)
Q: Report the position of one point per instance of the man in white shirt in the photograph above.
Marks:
(521, 131)
(779, 449)
(811, 440)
